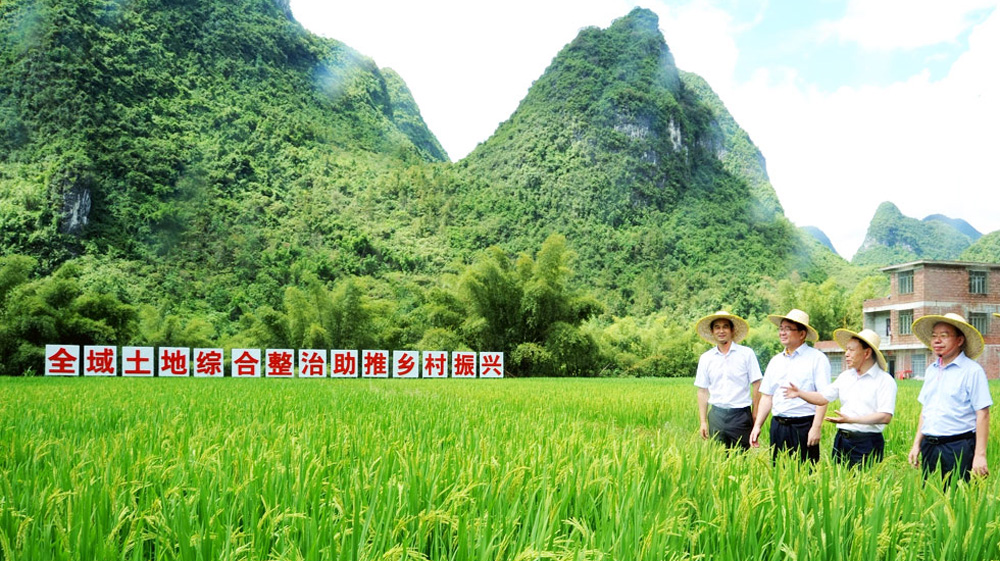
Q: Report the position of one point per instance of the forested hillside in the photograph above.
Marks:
(894, 238)
(664, 197)
(209, 173)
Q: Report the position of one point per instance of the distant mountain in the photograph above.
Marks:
(820, 236)
(406, 116)
(986, 249)
(665, 199)
(894, 238)
(958, 224)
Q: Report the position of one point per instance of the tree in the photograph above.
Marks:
(528, 310)
(53, 309)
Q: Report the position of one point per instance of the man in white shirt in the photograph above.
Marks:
(727, 379)
(797, 425)
(955, 400)
(867, 395)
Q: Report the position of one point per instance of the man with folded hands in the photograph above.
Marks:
(955, 400)
(727, 379)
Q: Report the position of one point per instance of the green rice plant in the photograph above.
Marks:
(449, 469)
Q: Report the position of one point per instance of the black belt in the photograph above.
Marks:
(795, 421)
(728, 410)
(857, 434)
(971, 435)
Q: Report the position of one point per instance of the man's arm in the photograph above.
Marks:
(792, 391)
(755, 396)
(703, 412)
(982, 436)
(763, 410)
(914, 456)
(869, 419)
(816, 431)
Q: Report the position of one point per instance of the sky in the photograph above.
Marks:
(851, 102)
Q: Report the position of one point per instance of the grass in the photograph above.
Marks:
(452, 469)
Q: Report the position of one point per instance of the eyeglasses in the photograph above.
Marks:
(942, 336)
(786, 329)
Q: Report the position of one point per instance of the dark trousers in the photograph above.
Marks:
(857, 448)
(730, 426)
(790, 435)
(949, 452)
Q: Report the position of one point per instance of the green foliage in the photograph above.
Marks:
(528, 469)
(527, 310)
(893, 238)
(869, 288)
(763, 339)
(157, 328)
(652, 346)
(314, 317)
(53, 309)
(826, 304)
(406, 116)
(985, 250)
(830, 304)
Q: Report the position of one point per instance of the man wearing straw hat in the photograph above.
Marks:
(867, 395)
(727, 375)
(797, 425)
(955, 399)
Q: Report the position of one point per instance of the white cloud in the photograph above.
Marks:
(927, 146)
(702, 38)
(905, 24)
(468, 64)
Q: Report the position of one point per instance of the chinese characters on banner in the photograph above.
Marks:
(344, 364)
(138, 361)
(246, 363)
(176, 362)
(463, 364)
(374, 364)
(279, 363)
(62, 360)
(405, 364)
(100, 360)
(312, 363)
(491, 365)
(207, 363)
(435, 364)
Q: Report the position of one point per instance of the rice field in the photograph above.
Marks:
(446, 469)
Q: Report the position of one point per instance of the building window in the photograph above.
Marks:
(906, 282)
(836, 364)
(977, 282)
(980, 321)
(919, 364)
(905, 321)
(888, 327)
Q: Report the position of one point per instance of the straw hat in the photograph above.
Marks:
(799, 317)
(844, 336)
(973, 339)
(740, 326)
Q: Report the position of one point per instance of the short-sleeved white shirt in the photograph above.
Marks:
(807, 368)
(864, 394)
(728, 377)
(951, 396)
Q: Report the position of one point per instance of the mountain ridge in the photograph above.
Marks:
(220, 176)
(895, 238)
